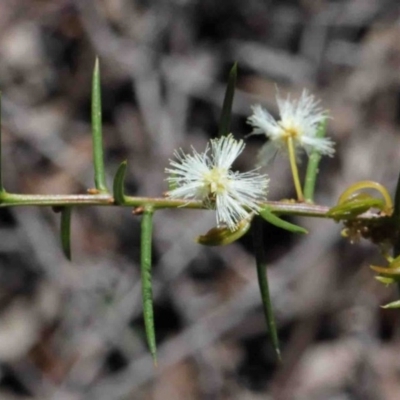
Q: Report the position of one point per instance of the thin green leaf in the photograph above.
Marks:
(312, 166)
(385, 280)
(394, 304)
(65, 231)
(263, 284)
(97, 134)
(147, 290)
(225, 120)
(118, 184)
(280, 223)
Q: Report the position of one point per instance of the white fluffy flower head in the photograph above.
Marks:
(209, 178)
(298, 119)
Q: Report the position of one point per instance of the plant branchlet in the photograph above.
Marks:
(236, 198)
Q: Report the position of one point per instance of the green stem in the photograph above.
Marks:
(295, 171)
(54, 200)
(97, 135)
(147, 290)
(263, 284)
(279, 207)
(14, 200)
(312, 167)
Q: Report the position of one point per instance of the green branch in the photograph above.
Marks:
(283, 208)
(157, 203)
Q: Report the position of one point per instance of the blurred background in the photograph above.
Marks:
(74, 330)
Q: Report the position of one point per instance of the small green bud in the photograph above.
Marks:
(354, 206)
(351, 203)
(220, 236)
(393, 304)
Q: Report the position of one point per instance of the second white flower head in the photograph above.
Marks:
(299, 119)
(209, 178)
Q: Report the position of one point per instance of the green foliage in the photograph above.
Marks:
(263, 284)
(355, 206)
(225, 119)
(118, 184)
(273, 219)
(97, 134)
(147, 288)
(65, 231)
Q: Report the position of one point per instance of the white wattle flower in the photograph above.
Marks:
(298, 119)
(209, 178)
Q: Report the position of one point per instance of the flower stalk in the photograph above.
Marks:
(298, 127)
(294, 169)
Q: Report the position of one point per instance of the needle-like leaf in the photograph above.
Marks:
(97, 134)
(280, 223)
(225, 120)
(147, 290)
(65, 231)
(118, 185)
(263, 283)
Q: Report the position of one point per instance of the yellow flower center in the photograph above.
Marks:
(216, 180)
(289, 129)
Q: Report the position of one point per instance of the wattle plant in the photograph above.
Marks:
(205, 180)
